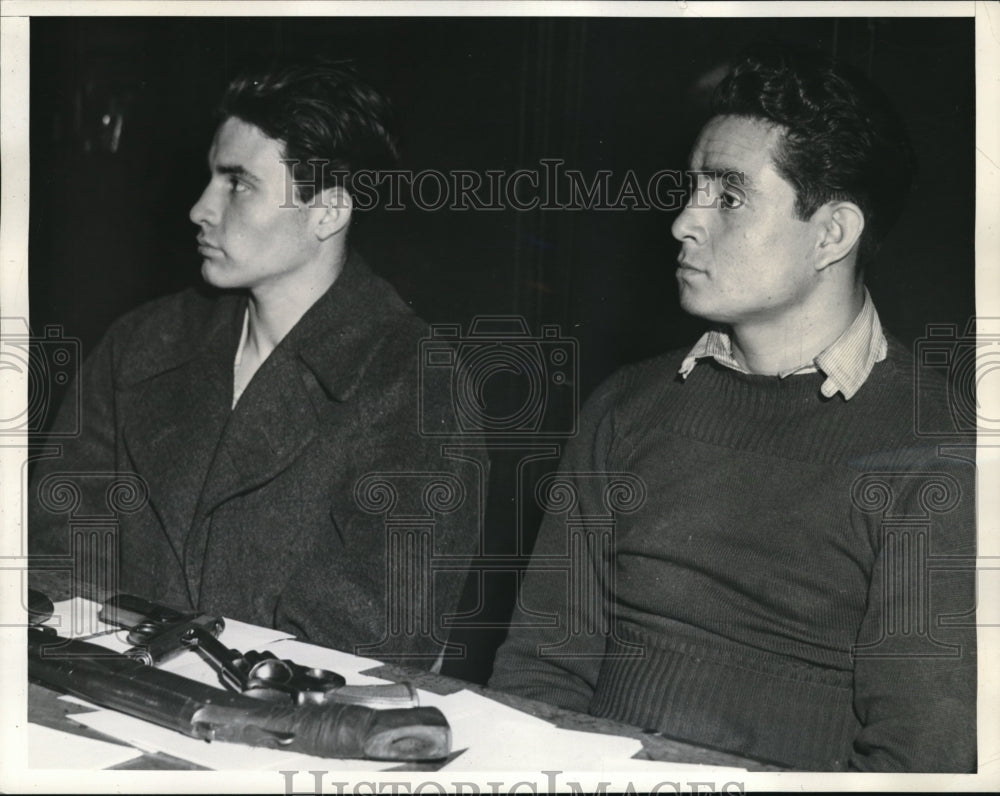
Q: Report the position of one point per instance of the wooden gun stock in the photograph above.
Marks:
(200, 711)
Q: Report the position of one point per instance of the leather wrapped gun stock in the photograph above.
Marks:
(201, 711)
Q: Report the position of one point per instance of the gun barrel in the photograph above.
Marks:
(201, 711)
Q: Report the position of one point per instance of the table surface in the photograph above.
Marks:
(45, 708)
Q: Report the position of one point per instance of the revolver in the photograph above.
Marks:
(159, 633)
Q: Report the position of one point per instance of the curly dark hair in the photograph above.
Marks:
(842, 138)
(321, 110)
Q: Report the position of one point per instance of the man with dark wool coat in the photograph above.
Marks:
(268, 422)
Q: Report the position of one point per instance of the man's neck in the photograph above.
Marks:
(274, 309)
(773, 347)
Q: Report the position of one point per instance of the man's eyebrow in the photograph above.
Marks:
(732, 175)
(236, 171)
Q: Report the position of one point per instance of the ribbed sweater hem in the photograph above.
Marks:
(749, 701)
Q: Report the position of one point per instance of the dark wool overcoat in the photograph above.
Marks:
(323, 504)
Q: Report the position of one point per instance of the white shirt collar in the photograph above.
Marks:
(847, 362)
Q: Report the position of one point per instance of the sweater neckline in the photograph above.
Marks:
(792, 384)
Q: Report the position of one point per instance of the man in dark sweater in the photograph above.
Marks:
(750, 520)
(245, 449)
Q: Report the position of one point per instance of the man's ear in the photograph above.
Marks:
(840, 225)
(334, 212)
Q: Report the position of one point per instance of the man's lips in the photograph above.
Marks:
(686, 267)
(204, 247)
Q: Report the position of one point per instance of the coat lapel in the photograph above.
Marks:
(177, 403)
(273, 421)
(321, 359)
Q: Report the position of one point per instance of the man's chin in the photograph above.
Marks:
(689, 300)
(696, 305)
(214, 275)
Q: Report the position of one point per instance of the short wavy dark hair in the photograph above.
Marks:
(321, 110)
(843, 140)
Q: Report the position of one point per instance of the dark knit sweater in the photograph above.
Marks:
(774, 537)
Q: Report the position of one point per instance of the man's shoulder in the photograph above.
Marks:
(176, 312)
(656, 373)
(364, 300)
(638, 383)
(361, 334)
(901, 378)
(937, 384)
(162, 331)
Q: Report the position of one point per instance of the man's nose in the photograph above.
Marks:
(688, 225)
(204, 211)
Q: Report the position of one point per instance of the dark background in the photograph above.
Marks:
(109, 229)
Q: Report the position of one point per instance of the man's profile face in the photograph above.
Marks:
(247, 238)
(745, 256)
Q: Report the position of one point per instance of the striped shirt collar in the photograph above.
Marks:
(846, 363)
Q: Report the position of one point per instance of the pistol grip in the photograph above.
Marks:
(391, 695)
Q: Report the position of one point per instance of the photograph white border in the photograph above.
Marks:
(14, 195)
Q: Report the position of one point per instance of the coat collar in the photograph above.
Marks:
(339, 336)
(336, 338)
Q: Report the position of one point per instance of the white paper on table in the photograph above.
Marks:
(468, 704)
(493, 734)
(500, 745)
(244, 637)
(74, 751)
(215, 755)
(77, 618)
(343, 663)
(77, 701)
